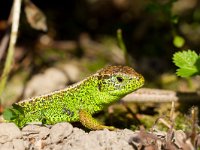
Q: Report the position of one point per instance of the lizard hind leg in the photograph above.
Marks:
(88, 121)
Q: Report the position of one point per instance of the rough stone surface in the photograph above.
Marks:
(63, 136)
(7, 146)
(53, 78)
(72, 71)
(35, 131)
(60, 131)
(8, 132)
(18, 144)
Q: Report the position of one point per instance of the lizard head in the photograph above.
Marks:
(119, 80)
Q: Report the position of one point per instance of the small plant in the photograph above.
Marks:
(188, 63)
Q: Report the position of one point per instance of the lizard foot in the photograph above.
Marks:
(88, 121)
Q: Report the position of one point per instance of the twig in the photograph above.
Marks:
(172, 111)
(122, 46)
(5, 39)
(194, 121)
(155, 95)
(4, 44)
(13, 38)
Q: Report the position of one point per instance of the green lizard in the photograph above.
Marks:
(79, 101)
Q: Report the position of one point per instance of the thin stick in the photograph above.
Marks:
(5, 39)
(122, 46)
(160, 96)
(13, 38)
(172, 111)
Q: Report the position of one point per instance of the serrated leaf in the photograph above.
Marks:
(186, 72)
(188, 63)
(185, 58)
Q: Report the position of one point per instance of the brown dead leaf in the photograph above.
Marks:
(35, 16)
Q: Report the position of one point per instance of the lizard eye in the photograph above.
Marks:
(119, 79)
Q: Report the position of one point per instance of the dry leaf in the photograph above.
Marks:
(35, 16)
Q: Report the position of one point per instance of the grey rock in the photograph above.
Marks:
(63, 136)
(52, 78)
(110, 140)
(98, 140)
(35, 136)
(44, 132)
(27, 144)
(126, 134)
(47, 141)
(33, 131)
(57, 146)
(75, 135)
(18, 144)
(60, 131)
(30, 129)
(72, 70)
(75, 140)
(54, 146)
(8, 132)
(83, 142)
(7, 146)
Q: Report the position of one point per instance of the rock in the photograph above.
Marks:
(44, 132)
(52, 79)
(7, 146)
(18, 144)
(57, 146)
(35, 136)
(38, 144)
(8, 132)
(110, 140)
(60, 131)
(72, 71)
(98, 140)
(32, 131)
(126, 134)
(64, 136)
(75, 135)
(47, 141)
(26, 144)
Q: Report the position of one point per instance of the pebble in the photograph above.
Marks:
(60, 131)
(34, 130)
(8, 132)
(18, 144)
(7, 146)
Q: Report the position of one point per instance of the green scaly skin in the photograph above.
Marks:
(79, 101)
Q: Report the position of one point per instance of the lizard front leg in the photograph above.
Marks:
(88, 121)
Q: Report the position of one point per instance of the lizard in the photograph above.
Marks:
(79, 101)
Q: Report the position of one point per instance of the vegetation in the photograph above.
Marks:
(57, 45)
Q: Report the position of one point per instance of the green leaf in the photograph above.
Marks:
(185, 58)
(13, 113)
(187, 61)
(186, 72)
(9, 114)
